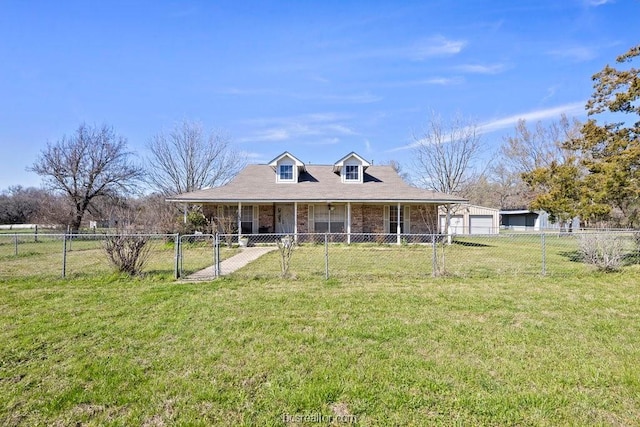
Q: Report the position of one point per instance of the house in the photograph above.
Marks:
(470, 219)
(351, 196)
(528, 220)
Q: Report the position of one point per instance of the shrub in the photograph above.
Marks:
(602, 251)
(286, 245)
(127, 252)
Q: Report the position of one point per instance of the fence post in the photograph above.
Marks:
(434, 257)
(326, 256)
(15, 243)
(544, 254)
(176, 266)
(64, 255)
(35, 239)
(216, 255)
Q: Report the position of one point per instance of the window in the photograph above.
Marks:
(393, 220)
(329, 219)
(246, 220)
(285, 172)
(351, 173)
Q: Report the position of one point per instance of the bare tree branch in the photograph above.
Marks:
(186, 159)
(445, 154)
(91, 163)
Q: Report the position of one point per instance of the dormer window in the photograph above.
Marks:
(285, 173)
(287, 168)
(352, 173)
(351, 168)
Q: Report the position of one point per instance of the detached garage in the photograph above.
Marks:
(471, 219)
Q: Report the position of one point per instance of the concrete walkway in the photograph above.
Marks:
(232, 264)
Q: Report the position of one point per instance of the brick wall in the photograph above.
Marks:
(357, 218)
(364, 218)
(373, 219)
(303, 218)
(266, 218)
(424, 219)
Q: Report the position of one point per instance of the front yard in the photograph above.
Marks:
(469, 351)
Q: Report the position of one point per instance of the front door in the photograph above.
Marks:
(285, 219)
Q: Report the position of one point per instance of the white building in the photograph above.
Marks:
(470, 219)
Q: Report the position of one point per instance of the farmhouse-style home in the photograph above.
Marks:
(351, 196)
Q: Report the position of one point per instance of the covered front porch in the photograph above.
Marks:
(346, 218)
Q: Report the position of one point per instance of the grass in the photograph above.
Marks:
(86, 257)
(238, 351)
(467, 256)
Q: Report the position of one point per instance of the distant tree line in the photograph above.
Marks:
(91, 175)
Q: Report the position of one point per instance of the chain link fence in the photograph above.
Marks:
(329, 255)
(73, 255)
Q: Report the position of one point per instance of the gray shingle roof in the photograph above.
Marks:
(257, 183)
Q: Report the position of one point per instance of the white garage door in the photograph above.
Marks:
(481, 224)
(456, 226)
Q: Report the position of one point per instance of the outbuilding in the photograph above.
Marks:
(470, 219)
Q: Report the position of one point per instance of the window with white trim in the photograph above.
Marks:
(352, 173)
(246, 220)
(391, 219)
(329, 219)
(285, 172)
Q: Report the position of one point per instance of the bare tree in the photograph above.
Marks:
(445, 155)
(187, 159)
(528, 149)
(90, 164)
(19, 205)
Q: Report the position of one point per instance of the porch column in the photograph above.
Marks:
(239, 221)
(348, 222)
(398, 227)
(448, 224)
(295, 221)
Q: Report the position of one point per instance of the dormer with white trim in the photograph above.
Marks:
(351, 168)
(287, 168)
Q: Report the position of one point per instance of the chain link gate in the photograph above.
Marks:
(195, 252)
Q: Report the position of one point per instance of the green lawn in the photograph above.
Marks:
(85, 256)
(513, 350)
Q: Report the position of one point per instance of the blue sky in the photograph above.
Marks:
(318, 79)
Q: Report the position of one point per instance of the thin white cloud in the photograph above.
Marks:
(441, 81)
(418, 51)
(359, 98)
(246, 92)
(480, 69)
(511, 121)
(325, 141)
(435, 46)
(325, 128)
(596, 3)
(367, 146)
(549, 113)
(551, 92)
(575, 53)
